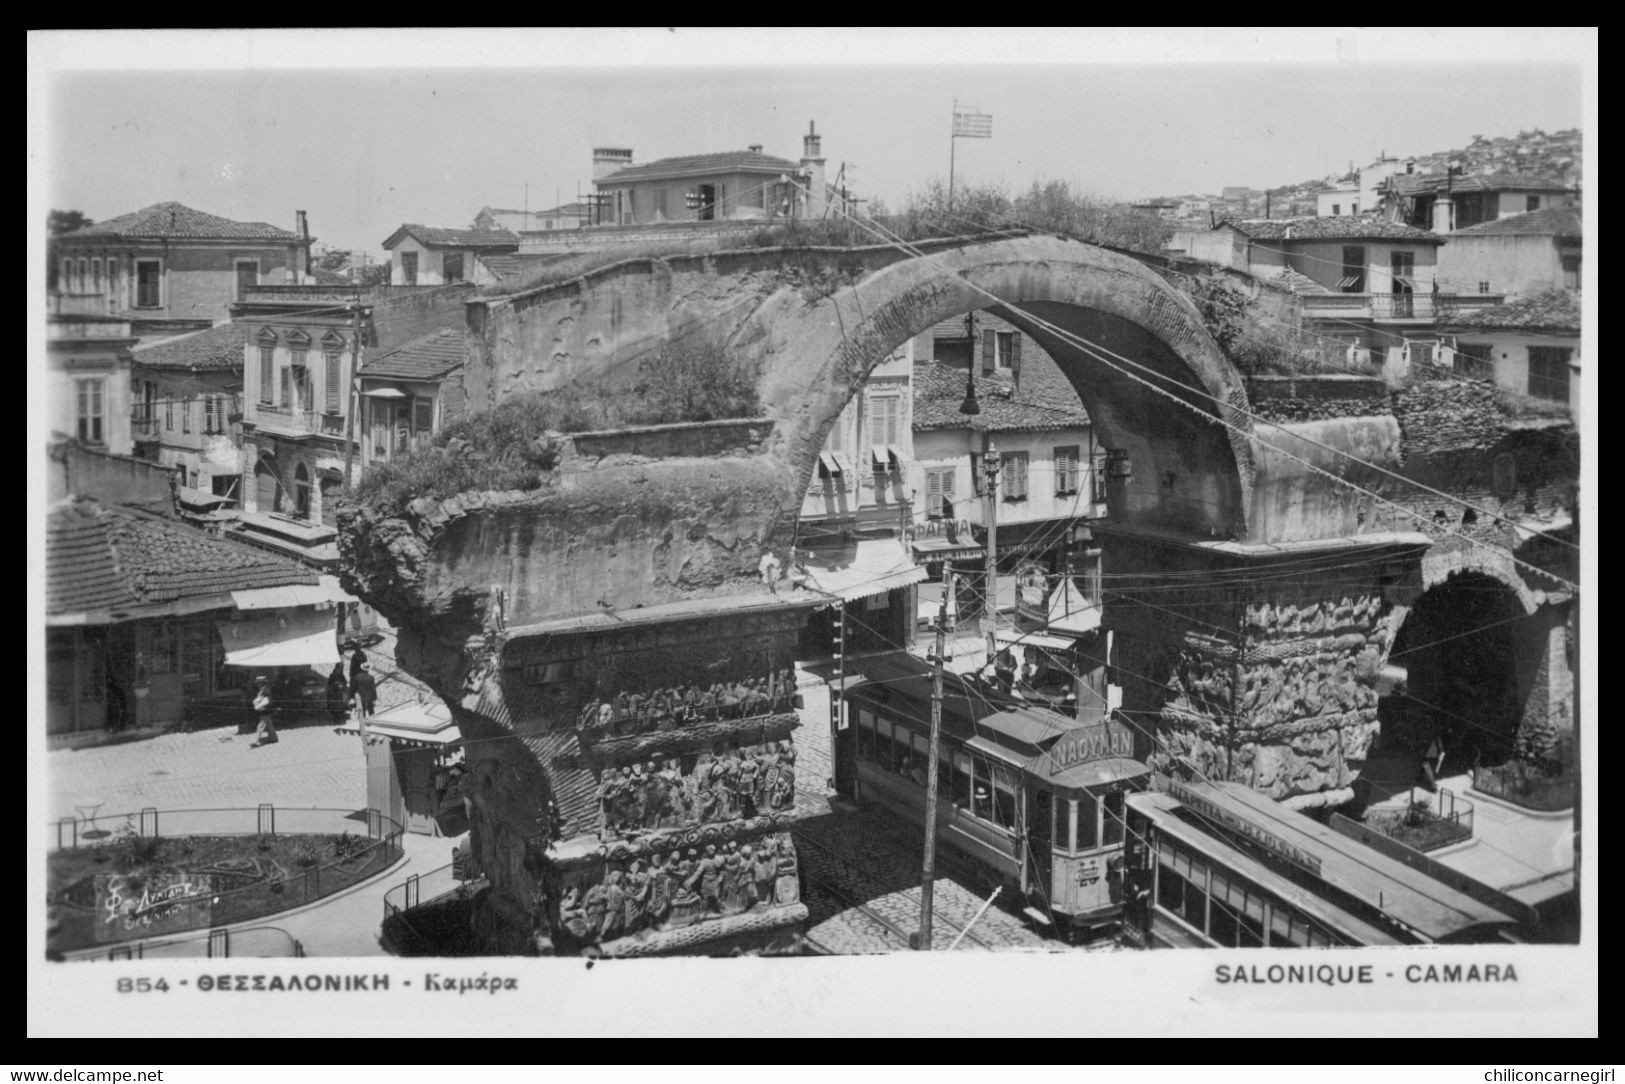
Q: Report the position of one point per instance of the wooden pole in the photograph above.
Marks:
(928, 872)
(354, 396)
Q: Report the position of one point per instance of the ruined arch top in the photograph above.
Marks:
(1191, 474)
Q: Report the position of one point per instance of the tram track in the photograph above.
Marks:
(907, 898)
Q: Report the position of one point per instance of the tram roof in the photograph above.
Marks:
(1430, 907)
(968, 713)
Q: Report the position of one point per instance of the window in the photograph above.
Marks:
(287, 388)
(1014, 469)
(1111, 827)
(409, 268)
(885, 425)
(186, 414)
(82, 281)
(88, 405)
(451, 265)
(954, 353)
(1337, 209)
(1571, 272)
(1483, 287)
(160, 657)
(939, 493)
(333, 390)
(301, 492)
(1066, 471)
(96, 275)
(148, 277)
(169, 415)
(660, 203)
(423, 414)
(1531, 203)
(248, 276)
(1088, 822)
(1353, 280)
(981, 789)
(1006, 347)
(1354, 208)
(267, 379)
(210, 422)
(1097, 474)
(1549, 372)
(866, 735)
(959, 783)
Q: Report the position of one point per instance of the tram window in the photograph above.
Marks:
(1289, 929)
(1195, 903)
(1112, 826)
(1170, 891)
(1222, 924)
(1088, 828)
(883, 745)
(982, 790)
(1043, 823)
(960, 785)
(866, 736)
(1065, 810)
(1004, 798)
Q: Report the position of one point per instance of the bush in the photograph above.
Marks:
(348, 846)
(305, 853)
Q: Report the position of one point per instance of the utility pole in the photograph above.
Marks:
(928, 874)
(952, 140)
(991, 465)
(355, 393)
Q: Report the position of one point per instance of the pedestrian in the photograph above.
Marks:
(357, 661)
(364, 688)
(1432, 764)
(264, 705)
(338, 693)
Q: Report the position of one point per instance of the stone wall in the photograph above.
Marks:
(1314, 398)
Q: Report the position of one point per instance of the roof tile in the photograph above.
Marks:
(177, 221)
(1555, 310)
(695, 164)
(429, 357)
(1548, 222)
(1329, 229)
(219, 349)
(450, 238)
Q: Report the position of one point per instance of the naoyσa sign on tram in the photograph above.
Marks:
(1108, 739)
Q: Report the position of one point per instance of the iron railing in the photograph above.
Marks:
(1515, 784)
(254, 941)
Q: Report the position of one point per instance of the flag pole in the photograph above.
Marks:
(953, 134)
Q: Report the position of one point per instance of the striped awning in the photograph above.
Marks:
(878, 565)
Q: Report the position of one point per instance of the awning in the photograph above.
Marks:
(196, 498)
(427, 726)
(1016, 638)
(301, 594)
(287, 638)
(877, 566)
(832, 463)
(1348, 280)
(895, 453)
(931, 550)
(385, 393)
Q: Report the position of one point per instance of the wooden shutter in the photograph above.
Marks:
(935, 490)
(333, 399)
(987, 351)
(267, 364)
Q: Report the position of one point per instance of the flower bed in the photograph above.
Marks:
(136, 886)
(1419, 826)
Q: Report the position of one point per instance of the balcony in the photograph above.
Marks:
(292, 422)
(1397, 308)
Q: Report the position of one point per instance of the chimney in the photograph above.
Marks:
(755, 148)
(302, 266)
(606, 160)
(812, 169)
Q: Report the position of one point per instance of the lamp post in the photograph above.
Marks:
(991, 466)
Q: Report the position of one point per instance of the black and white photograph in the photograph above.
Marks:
(666, 531)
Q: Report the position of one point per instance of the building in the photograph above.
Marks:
(567, 216)
(150, 620)
(1515, 255)
(857, 515)
(87, 379)
(410, 392)
(1049, 484)
(432, 256)
(1443, 202)
(170, 268)
(745, 184)
(1343, 198)
(187, 409)
(1531, 346)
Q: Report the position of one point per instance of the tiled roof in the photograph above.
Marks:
(1411, 184)
(1546, 222)
(219, 349)
(939, 389)
(690, 165)
(1555, 310)
(504, 265)
(426, 358)
(175, 220)
(574, 787)
(436, 236)
(1330, 229)
(104, 557)
(1298, 282)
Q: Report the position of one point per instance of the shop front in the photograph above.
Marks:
(414, 761)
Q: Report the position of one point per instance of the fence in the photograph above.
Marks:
(1514, 783)
(255, 941)
(277, 875)
(416, 894)
(1430, 820)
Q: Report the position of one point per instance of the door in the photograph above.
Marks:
(1040, 837)
(1403, 265)
(708, 201)
(415, 770)
(383, 786)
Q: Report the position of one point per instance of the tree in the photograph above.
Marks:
(376, 274)
(60, 222)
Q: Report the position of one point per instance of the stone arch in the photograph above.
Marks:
(1191, 474)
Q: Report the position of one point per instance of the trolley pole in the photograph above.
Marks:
(933, 750)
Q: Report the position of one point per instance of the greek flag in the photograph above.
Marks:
(972, 125)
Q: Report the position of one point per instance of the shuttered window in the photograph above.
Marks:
(1066, 471)
(939, 490)
(885, 420)
(1015, 476)
(989, 351)
(267, 379)
(209, 422)
(333, 400)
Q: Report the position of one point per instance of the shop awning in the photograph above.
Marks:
(833, 463)
(426, 726)
(300, 594)
(385, 393)
(288, 638)
(878, 565)
(1016, 638)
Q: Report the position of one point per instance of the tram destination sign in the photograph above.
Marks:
(1098, 742)
(1250, 830)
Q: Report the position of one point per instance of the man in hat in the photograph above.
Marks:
(263, 706)
(364, 687)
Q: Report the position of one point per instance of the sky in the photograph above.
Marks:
(367, 130)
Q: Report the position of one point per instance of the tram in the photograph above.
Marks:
(1027, 797)
(1218, 865)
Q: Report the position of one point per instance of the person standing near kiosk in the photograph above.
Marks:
(264, 705)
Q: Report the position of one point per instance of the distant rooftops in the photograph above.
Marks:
(1331, 228)
(689, 165)
(1546, 222)
(1412, 184)
(176, 221)
(439, 237)
(1553, 311)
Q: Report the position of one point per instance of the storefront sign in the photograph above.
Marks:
(1255, 833)
(1091, 743)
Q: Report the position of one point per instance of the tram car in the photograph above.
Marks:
(1026, 797)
